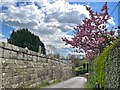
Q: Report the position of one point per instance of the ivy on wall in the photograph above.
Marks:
(97, 68)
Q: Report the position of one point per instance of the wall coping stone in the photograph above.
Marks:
(17, 49)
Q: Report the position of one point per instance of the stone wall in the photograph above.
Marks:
(112, 68)
(24, 68)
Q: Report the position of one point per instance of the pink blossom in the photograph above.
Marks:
(90, 36)
(112, 32)
(101, 39)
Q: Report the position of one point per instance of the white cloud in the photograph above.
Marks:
(1, 35)
(2, 38)
(111, 21)
(50, 19)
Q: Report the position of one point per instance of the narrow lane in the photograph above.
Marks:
(76, 82)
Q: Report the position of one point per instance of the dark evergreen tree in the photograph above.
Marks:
(24, 38)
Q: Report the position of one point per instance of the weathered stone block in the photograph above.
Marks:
(20, 55)
(21, 85)
(40, 59)
(33, 76)
(15, 85)
(30, 58)
(35, 58)
(18, 62)
(6, 82)
(2, 44)
(7, 53)
(32, 52)
(9, 61)
(8, 46)
(15, 48)
(25, 57)
(13, 55)
(44, 60)
(1, 52)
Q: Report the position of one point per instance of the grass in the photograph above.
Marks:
(46, 84)
(43, 85)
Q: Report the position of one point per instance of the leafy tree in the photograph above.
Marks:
(92, 35)
(24, 38)
(75, 60)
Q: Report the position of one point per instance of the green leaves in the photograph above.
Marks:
(97, 74)
(24, 38)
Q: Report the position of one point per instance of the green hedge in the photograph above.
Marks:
(80, 70)
(97, 68)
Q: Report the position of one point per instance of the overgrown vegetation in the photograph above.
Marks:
(24, 38)
(97, 68)
(45, 84)
(82, 68)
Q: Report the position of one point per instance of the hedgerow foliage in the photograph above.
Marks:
(97, 68)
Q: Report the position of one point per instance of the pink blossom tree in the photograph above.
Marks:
(92, 35)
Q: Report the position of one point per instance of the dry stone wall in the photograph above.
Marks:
(20, 67)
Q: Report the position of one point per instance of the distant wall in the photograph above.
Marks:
(24, 68)
(112, 68)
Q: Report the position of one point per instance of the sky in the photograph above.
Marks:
(51, 20)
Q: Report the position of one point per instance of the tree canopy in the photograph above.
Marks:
(24, 38)
(93, 35)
